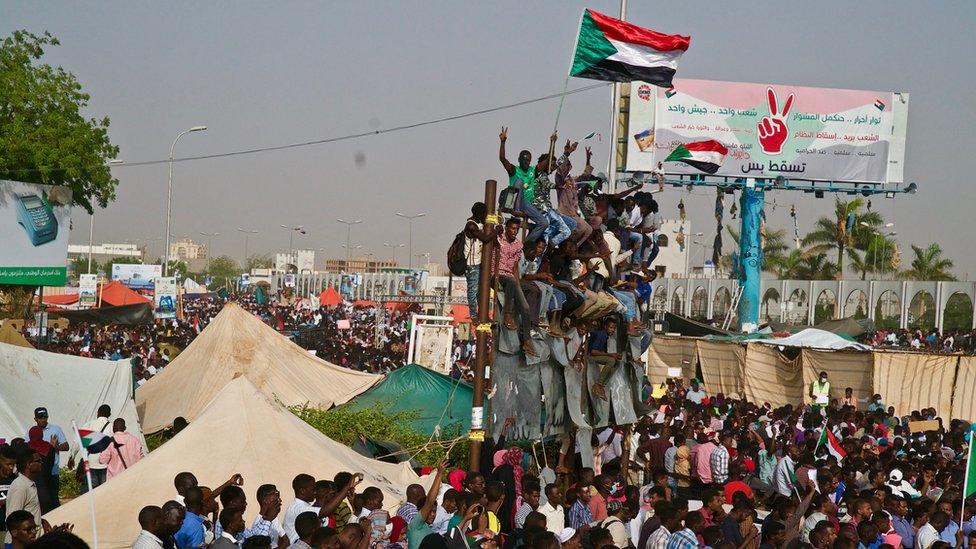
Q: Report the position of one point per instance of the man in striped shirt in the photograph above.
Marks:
(719, 460)
(579, 513)
(669, 523)
(687, 538)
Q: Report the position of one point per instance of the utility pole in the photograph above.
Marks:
(482, 330)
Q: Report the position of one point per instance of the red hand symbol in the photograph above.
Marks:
(772, 129)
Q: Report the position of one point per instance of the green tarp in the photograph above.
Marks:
(438, 398)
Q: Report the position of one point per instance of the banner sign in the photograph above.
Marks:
(137, 275)
(34, 228)
(771, 130)
(87, 290)
(164, 299)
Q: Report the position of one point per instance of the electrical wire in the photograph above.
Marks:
(324, 141)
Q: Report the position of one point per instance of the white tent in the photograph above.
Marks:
(70, 387)
(813, 338)
(241, 430)
(237, 344)
(191, 286)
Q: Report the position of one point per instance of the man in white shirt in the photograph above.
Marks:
(304, 486)
(929, 532)
(785, 471)
(151, 521)
(100, 424)
(553, 509)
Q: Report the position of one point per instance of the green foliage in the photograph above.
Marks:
(929, 264)
(175, 267)
(958, 313)
(14, 299)
(44, 138)
(258, 262)
(223, 267)
(108, 265)
(79, 266)
(830, 233)
(69, 488)
(377, 423)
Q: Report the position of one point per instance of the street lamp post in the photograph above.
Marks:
(876, 234)
(688, 255)
(348, 225)
(291, 235)
(394, 246)
(247, 234)
(410, 219)
(348, 249)
(91, 224)
(884, 251)
(169, 192)
(210, 237)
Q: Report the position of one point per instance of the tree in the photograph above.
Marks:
(43, 136)
(109, 265)
(258, 262)
(177, 268)
(816, 266)
(223, 267)
(775, 249)
(831, 233)
(929, 264)
(79, 266)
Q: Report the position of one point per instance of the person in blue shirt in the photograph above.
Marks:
(607, 361)
(55, 436)
(192, 533)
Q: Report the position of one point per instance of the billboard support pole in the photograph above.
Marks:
(482, 331)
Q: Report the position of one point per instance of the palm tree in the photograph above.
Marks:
(816, 266)
(775, 249)
(929, 264)
(831, 233)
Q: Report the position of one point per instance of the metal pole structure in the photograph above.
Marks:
(410, 218)
(394, 246)
(482, 330)
(169, 192)
(614, 115)
(688, 254)
(247, 233)
(91, 237)
(348, 225)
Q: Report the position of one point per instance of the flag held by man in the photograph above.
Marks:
(617, 51)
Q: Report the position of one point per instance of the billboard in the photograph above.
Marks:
(137, 275)
(164, 297)
(87, 290)
(34, 228)
(799, 132)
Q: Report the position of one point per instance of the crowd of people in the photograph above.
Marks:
(951, 341)
(701, 470)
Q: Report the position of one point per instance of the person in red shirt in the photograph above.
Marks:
(735, 484)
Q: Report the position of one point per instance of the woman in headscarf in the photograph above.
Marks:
(509, 472)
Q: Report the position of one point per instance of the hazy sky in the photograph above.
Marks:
(263, 74)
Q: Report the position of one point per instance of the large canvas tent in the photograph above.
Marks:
(242, 430)
(10, 334)
(440, 399)
(70, 387)
(114, 293)
(237, 344)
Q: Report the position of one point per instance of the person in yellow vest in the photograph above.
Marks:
(820, 391)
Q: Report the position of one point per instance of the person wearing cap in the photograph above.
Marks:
(55, 436)
(569, 538)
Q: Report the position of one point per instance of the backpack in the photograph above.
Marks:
(457, 261)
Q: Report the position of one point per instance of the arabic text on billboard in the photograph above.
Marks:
(772, 130)
(34, 229)
(136, 275)
(164, 298)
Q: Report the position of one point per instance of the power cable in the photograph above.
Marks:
(327, 140)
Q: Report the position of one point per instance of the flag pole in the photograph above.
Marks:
(91, 492)
(965, 478)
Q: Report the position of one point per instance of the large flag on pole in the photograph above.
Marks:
(706, 156)
(617, 51)
(969, 481)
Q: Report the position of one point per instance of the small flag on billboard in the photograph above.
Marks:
(670, 92)
(706, 156)
(879, 104)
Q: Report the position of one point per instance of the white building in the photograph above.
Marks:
(674, 260)
(303, 260)
(185, 249)
(106, 251)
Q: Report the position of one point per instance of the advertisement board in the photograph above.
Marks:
(164, 298)
(137, 275)
(34, 228)
(87, 290)
(798, 132)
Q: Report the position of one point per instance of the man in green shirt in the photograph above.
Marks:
(419, 527)
(523, 176)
